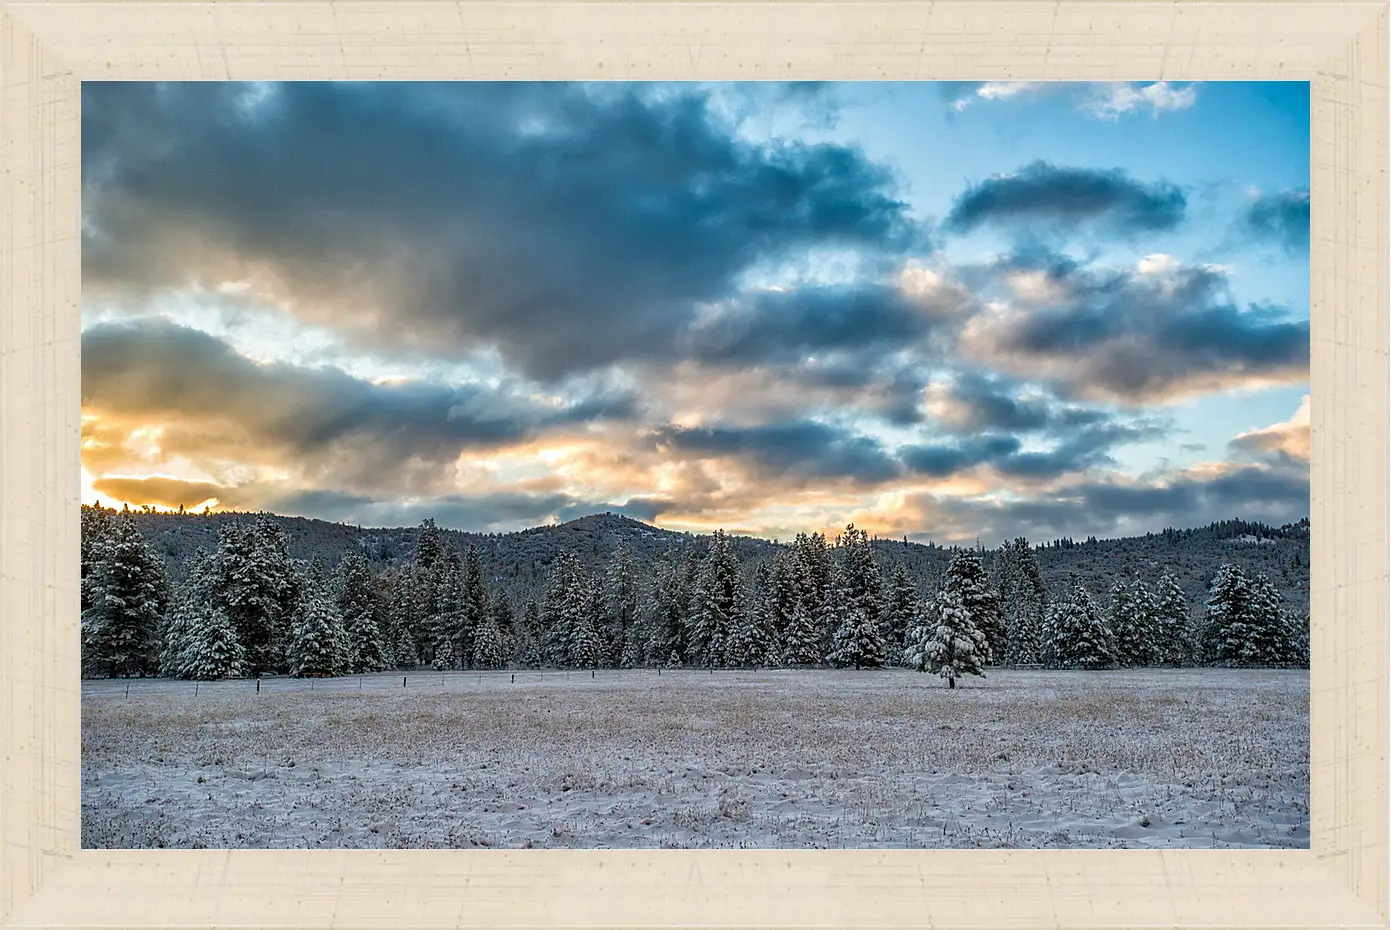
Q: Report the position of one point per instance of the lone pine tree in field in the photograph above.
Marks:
(945, 639)
(1076, 634)
(126, 595)
(1176, 643)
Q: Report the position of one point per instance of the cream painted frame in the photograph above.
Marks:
(47, 48)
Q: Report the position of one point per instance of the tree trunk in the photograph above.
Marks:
(951, 682)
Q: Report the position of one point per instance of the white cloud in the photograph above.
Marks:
(1121, 99)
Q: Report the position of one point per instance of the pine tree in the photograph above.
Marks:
(752, 640)
(187, 610)
(1269, 643)
(813, 564)
(527, 644)
(405, 646)
(127, 594)
(352, 587)
(946, 640)
(586, 646)
(256, 588)
(429, 548)
(1177, 645)
(97, 523)
(1297, 634)
(1132, 620)
(802, 642)
(1024, 602)
(213, 651)
(859, 580)
(319, 646)
(621, 607)
(859, 642)
(1228, 636)
(713, 610)
(783, 592)
(901, 606)
(570, 605)
(966, 577)
(487, 645)
(1076, 635)
(472, 607)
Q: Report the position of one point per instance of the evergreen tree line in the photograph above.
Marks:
(248, 608)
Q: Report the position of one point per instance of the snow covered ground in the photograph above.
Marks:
(773, 759)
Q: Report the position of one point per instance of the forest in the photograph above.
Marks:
(212, 596)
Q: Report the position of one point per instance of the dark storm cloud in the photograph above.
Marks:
(806, 450)
(573, 227)
(1281, 218)
(151, 369)
(1041, 193)
(1139, 337)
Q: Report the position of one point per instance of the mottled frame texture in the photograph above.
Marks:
(47, 48)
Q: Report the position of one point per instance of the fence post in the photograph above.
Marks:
(403, 681)
(359, 682)
(311, 684)
(258, 686)
(127, 689)
(195, 689)
(514, 678)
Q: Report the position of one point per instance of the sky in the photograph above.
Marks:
(940, 310)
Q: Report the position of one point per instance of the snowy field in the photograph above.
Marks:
(773, 759)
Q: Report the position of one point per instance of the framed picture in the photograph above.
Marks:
(728, 464)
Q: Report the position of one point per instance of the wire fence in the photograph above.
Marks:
(418, 679)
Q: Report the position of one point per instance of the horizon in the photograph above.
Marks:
(925, 539)
(1000, 309)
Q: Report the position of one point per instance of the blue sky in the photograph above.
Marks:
(945, 311)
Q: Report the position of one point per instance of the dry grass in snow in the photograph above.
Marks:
(775, 759)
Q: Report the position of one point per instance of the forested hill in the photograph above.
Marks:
(520, 561)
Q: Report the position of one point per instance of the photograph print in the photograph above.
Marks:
(674, 465)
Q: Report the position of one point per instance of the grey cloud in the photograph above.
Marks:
(805, 450)
(570, 226)
(1281, 218)
(152, 368)
(1139, 338)
(1041, 193)
(1110, 507)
